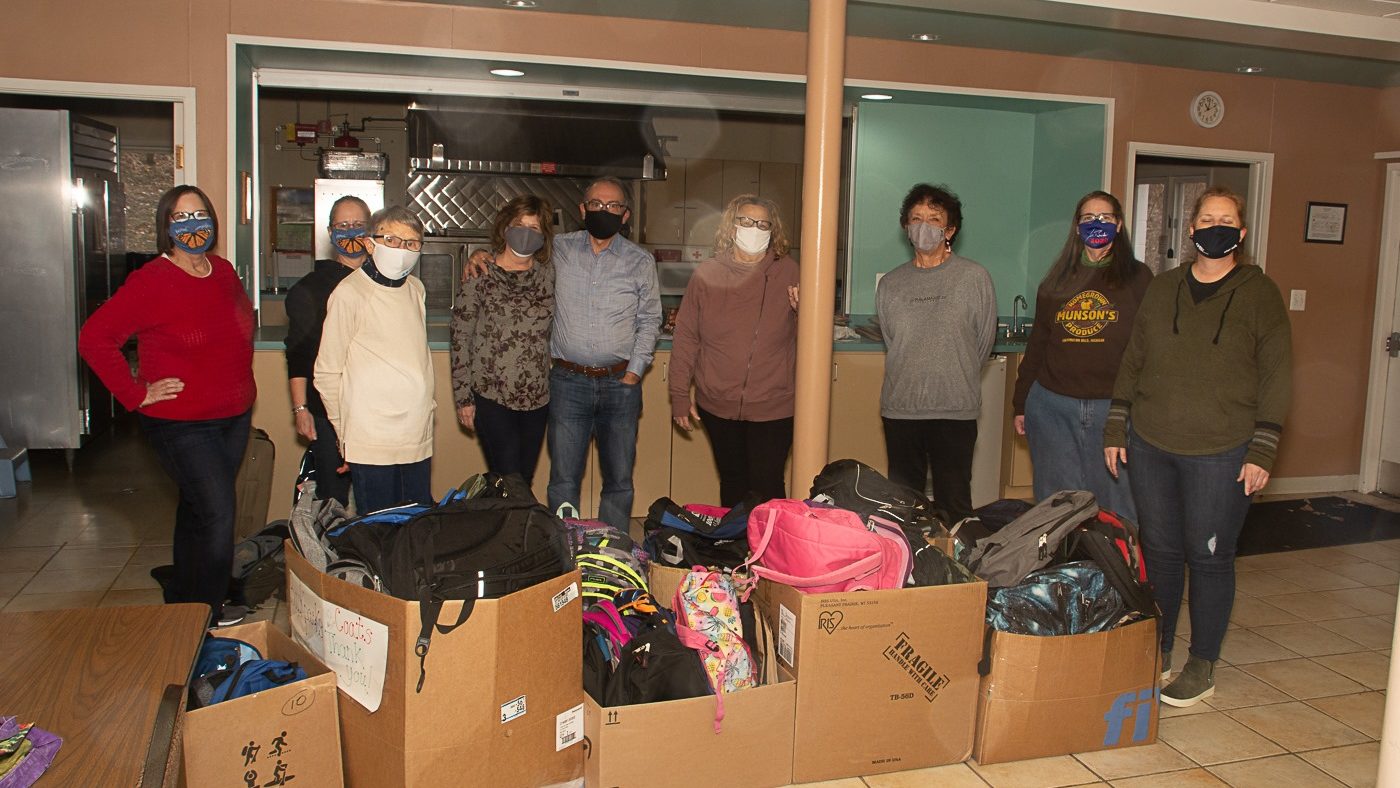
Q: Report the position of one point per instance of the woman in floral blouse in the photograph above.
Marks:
(500, 340)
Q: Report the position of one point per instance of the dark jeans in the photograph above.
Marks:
(915, 447)
(580, 409)
(510, 439)
(382, 486)
(750, 456)
(1191, 511)
(325, 455)
(203, 458)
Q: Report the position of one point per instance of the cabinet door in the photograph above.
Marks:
(1016, 472)
(778, 182)
(740, 177)
(856, 429)
(663, 207)
(704, 199)
(651, 474)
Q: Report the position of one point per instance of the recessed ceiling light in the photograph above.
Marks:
(1250, 69)
(507, 72)
(520, 4)
(877, 96)
(925, 37)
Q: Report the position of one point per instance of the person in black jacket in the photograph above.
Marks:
(306, 311)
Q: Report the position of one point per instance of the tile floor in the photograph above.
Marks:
(1300, 686)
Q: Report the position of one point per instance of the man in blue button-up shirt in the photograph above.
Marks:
(607, 315)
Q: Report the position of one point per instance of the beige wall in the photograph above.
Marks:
(1323, 136)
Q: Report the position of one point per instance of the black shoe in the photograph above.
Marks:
(230, 615)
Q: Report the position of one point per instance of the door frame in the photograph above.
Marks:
(1261, 182)
(181, 100)
(1387, 284)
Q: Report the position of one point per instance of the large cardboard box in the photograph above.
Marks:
(674, 744)
(752, 750)
(1077, 693)
(289, 732)
(886, 680)
(502, 695)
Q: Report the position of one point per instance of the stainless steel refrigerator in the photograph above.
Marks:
(62, 218)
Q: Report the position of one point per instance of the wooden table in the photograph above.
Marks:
(95, 677)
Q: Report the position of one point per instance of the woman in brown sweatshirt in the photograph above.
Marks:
(736, 340)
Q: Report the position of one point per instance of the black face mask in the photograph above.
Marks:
(602, 224)
(1216, 242)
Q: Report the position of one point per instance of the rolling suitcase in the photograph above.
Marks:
(254, 486)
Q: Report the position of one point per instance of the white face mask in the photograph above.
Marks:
(924, 236)
(752, 240)
(394, 263)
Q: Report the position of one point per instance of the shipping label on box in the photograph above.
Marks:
(355, 647)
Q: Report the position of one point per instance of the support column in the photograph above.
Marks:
(821, 190)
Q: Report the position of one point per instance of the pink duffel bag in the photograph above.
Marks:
(819, 550)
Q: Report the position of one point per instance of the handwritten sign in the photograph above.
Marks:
(355, 647)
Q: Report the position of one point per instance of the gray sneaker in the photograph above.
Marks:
(1166, 665)
(1195, 683)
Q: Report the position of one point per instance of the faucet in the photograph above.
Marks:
(1017, 305)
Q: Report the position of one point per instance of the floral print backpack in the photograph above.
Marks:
(707, 619)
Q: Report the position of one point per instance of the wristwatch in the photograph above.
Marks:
(298, 409)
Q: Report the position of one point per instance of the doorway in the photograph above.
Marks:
(1380, 444)
(1163, 182)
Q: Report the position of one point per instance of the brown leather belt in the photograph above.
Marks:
(592, 372)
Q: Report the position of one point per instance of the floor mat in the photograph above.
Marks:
(1274, 526)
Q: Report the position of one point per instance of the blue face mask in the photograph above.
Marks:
(1097, 235)
(193, 235)
(350, 243)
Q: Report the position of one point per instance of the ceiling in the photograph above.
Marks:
(1353, 42)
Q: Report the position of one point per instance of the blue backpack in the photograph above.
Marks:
(217, 654)
(256, 676)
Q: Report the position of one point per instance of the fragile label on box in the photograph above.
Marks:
(568, 728)
(355, 647)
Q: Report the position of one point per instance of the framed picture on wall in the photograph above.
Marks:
(1327, 223)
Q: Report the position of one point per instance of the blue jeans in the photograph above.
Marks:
(1066, 439)
(382, 486)
(510, 439)
(203, 458)
(1192, 510)
(325, 455)
(580, 409)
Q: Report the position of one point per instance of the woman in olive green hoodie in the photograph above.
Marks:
(1198, 408)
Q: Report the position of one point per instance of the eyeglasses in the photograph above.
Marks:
(356, 225)
(610, 207)
(1085, 218)
(395, 242)
(184, 216)
(748, 221)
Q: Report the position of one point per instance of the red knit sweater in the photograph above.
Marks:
(199, 330)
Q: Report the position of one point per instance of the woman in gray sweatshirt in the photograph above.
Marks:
(938, 316)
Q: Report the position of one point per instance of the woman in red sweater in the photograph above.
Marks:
(736, 339)
(194, 390)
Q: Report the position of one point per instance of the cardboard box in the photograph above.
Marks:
(502, 696)
(752, 750)
(289, 732)
(660, 745)
(1077, 693)
(886, 680)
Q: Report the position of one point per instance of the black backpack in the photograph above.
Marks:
(679, 537)
(655, 666)
(857, 487)
(1030, 541)
(467, 549)
(1112, 543)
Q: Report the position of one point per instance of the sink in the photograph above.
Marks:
(1014, 338)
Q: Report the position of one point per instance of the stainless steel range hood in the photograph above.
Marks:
(535, 138)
